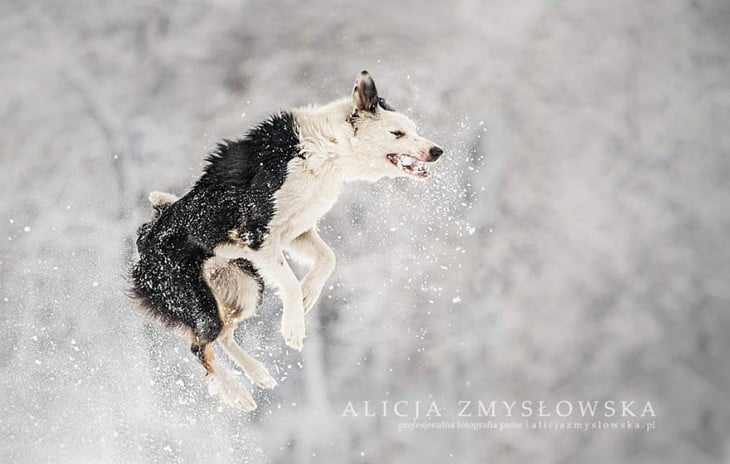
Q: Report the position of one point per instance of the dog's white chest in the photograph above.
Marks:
(301, 202)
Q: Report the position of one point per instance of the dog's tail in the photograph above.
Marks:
(160, 202)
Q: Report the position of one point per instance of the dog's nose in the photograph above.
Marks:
(435, 152)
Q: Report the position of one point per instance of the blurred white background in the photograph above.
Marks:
(571, 244)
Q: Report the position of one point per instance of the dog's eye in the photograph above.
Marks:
(398, 134)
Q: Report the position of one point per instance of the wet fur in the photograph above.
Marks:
(204, 257)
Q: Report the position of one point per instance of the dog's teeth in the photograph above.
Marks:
(407, 160)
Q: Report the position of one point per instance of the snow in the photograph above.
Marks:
(580, 210)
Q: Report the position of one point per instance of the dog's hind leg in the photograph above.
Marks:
(238, 289)
(237, 286)
(179, 296)
(227, 386)
(231, 390)
(254, 370)
(271, 264)
(206, 329)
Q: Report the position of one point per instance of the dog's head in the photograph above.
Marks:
(385, 140)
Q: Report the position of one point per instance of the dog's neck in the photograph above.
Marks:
(327, 139)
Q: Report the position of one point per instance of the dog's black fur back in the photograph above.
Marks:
(235, 192)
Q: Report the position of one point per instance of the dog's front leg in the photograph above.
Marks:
(311, 247)
(270, 262)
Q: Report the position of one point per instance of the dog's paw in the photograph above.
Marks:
(292, 329)
(233, 393)
(310, 294)
(262, 378)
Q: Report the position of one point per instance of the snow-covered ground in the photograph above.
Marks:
(571, 246)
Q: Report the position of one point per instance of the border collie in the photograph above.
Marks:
(204, 258)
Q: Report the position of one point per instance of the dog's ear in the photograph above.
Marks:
(365, 95)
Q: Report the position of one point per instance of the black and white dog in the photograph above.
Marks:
(204, 258)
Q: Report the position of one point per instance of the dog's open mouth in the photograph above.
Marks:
(409, 165)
